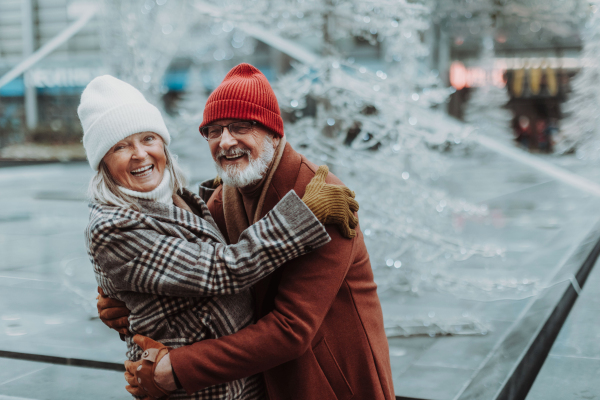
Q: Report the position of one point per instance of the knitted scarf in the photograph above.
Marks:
(163, 193)
(233, 205)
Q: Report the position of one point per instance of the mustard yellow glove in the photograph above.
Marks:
(217, 182)
(331, 204)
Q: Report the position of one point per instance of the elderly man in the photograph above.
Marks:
(319, 331)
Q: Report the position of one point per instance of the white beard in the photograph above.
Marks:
(254, 172)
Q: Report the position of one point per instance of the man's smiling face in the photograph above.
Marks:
(247, 156)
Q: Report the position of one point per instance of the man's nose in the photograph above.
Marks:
(227, 140)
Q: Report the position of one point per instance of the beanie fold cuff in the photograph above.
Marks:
(240, 109)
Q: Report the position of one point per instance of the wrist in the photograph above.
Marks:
(163, 374)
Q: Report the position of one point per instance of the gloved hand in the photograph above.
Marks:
(331, 204)
(140, 374)
(217, 181)
(113, 313)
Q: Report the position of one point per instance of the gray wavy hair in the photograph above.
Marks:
(104, 189)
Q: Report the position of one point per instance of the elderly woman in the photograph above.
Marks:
(154, 245)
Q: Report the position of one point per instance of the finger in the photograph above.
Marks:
(124, 331)
(317, 182)
(146, 343)
(352, 220)
(346, 231)
(319, 179)
(353, 205)
(348, 192)
(131, 366)
(130, 379)
(101, 292)
(136, 391)
(114, 313)
(321, 174)
(107, 302)
(117, 324)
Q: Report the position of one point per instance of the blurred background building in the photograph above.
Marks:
(534, 55)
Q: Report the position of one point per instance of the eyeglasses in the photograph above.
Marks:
(239, 128)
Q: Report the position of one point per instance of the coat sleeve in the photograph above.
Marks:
(136, 258)
(308, 287)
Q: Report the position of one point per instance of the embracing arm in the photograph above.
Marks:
(147, 261)
(307, 289)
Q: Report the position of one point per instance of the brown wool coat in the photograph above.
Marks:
(320, 333)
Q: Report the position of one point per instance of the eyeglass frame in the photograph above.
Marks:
(228, 126)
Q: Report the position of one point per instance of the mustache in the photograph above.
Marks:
(233, 152)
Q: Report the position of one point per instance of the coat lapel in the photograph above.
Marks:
(284, 180)
(281, 179)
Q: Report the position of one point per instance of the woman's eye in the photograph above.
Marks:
(117, 148)
(149, 138)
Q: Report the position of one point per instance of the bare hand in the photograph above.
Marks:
(113, 313)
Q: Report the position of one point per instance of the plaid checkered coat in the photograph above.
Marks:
(180, 279)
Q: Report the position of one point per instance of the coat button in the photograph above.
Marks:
(145, 354)
(139, 368)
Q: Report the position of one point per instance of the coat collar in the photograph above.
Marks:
(200, 219)
(279, 182)
(283, 180)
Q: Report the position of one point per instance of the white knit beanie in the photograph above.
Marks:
(109, 111)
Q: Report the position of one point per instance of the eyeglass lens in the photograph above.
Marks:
(235, 128)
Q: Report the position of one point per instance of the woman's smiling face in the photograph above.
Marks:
(137, 162)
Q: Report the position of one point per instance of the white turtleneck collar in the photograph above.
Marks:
(163, 193)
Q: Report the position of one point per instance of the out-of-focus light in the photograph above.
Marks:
(219, 54)
(458, 75)
(535, 26)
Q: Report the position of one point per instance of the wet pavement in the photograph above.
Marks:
(28, 380)
(47, 287)
(548, 231)
(572, 368)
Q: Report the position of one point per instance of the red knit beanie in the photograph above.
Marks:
(245, 93)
